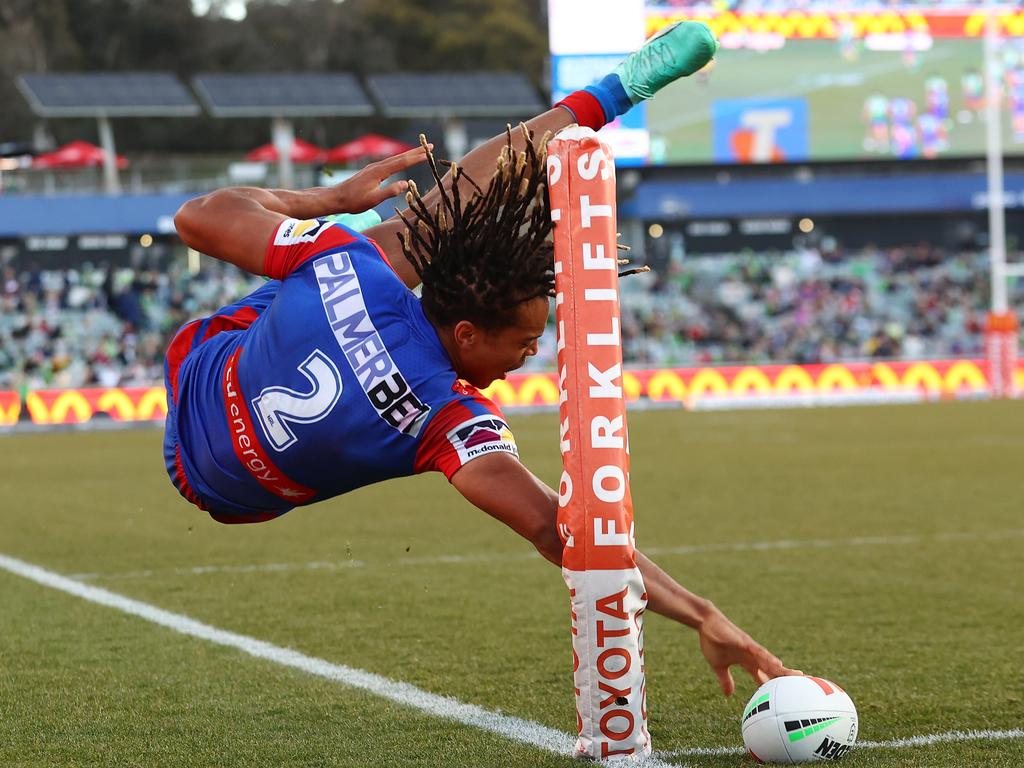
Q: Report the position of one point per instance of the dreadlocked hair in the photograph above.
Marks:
(480, 258)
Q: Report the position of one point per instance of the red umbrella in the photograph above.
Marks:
(369, 146)
(77, 154)
(302, 152)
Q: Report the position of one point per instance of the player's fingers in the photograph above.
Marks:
(762, 673)
(768, 661)
(392, 190)
(758, 665)
(404, 160)
(725, 680)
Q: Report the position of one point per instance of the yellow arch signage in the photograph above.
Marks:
(751, 380)
(10, 408)
(923, 376)
(794, 377)
(964, 374)
(681, 385)
(538, 390)
(837, 377)
(666, 385)
(117, 404)
(632, 389)
(502, 393)
(153, 404)
(70, 402)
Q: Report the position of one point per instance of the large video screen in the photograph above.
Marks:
(802, 85)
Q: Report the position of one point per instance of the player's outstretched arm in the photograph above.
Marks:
(723, 643)
(505, 489)
(235, 224)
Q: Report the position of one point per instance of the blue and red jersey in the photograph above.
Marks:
(326, 379)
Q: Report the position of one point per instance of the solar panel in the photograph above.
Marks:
(110, 94)
(480, 94)
(283, 95)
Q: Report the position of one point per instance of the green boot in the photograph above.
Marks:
(677, 51)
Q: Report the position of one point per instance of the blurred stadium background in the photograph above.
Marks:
(815, 198)
(815, 210)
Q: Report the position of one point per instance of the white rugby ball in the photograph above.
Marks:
(799, 719)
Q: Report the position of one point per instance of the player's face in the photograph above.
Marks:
(489, 355)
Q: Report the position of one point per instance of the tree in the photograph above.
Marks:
(35, 36)
(458, 35)
(361, 36)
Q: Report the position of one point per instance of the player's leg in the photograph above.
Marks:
(237, 316)
(678, 51)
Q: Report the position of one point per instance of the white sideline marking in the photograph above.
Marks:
(944, 738)
(485, 557)
(911, 741)
(201, 569)
(857, 541)
(447, 707)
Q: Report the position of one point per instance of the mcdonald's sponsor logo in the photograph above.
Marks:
(77, 406)
(1010, 24)
(10, 408)
(688, 386)
(828, 24)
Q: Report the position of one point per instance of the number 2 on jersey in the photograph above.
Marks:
(279, 407)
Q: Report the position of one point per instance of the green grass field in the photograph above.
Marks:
(835, 90)
(901, 579)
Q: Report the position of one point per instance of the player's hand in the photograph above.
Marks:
(363, 191)
(725, 645)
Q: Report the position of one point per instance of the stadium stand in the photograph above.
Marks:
(101, 325)
(107, 325)
(809, 307)
(83, 319)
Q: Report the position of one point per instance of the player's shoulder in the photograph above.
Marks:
(298, 242)
(468, 426)
(313, 235)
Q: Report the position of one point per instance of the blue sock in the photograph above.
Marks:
(611, 96)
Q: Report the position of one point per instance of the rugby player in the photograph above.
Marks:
(334, 375)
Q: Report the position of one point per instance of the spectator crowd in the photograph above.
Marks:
(100, 325)
(105, 326)
(809, 307)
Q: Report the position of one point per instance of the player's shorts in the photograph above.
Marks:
(234, 317)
